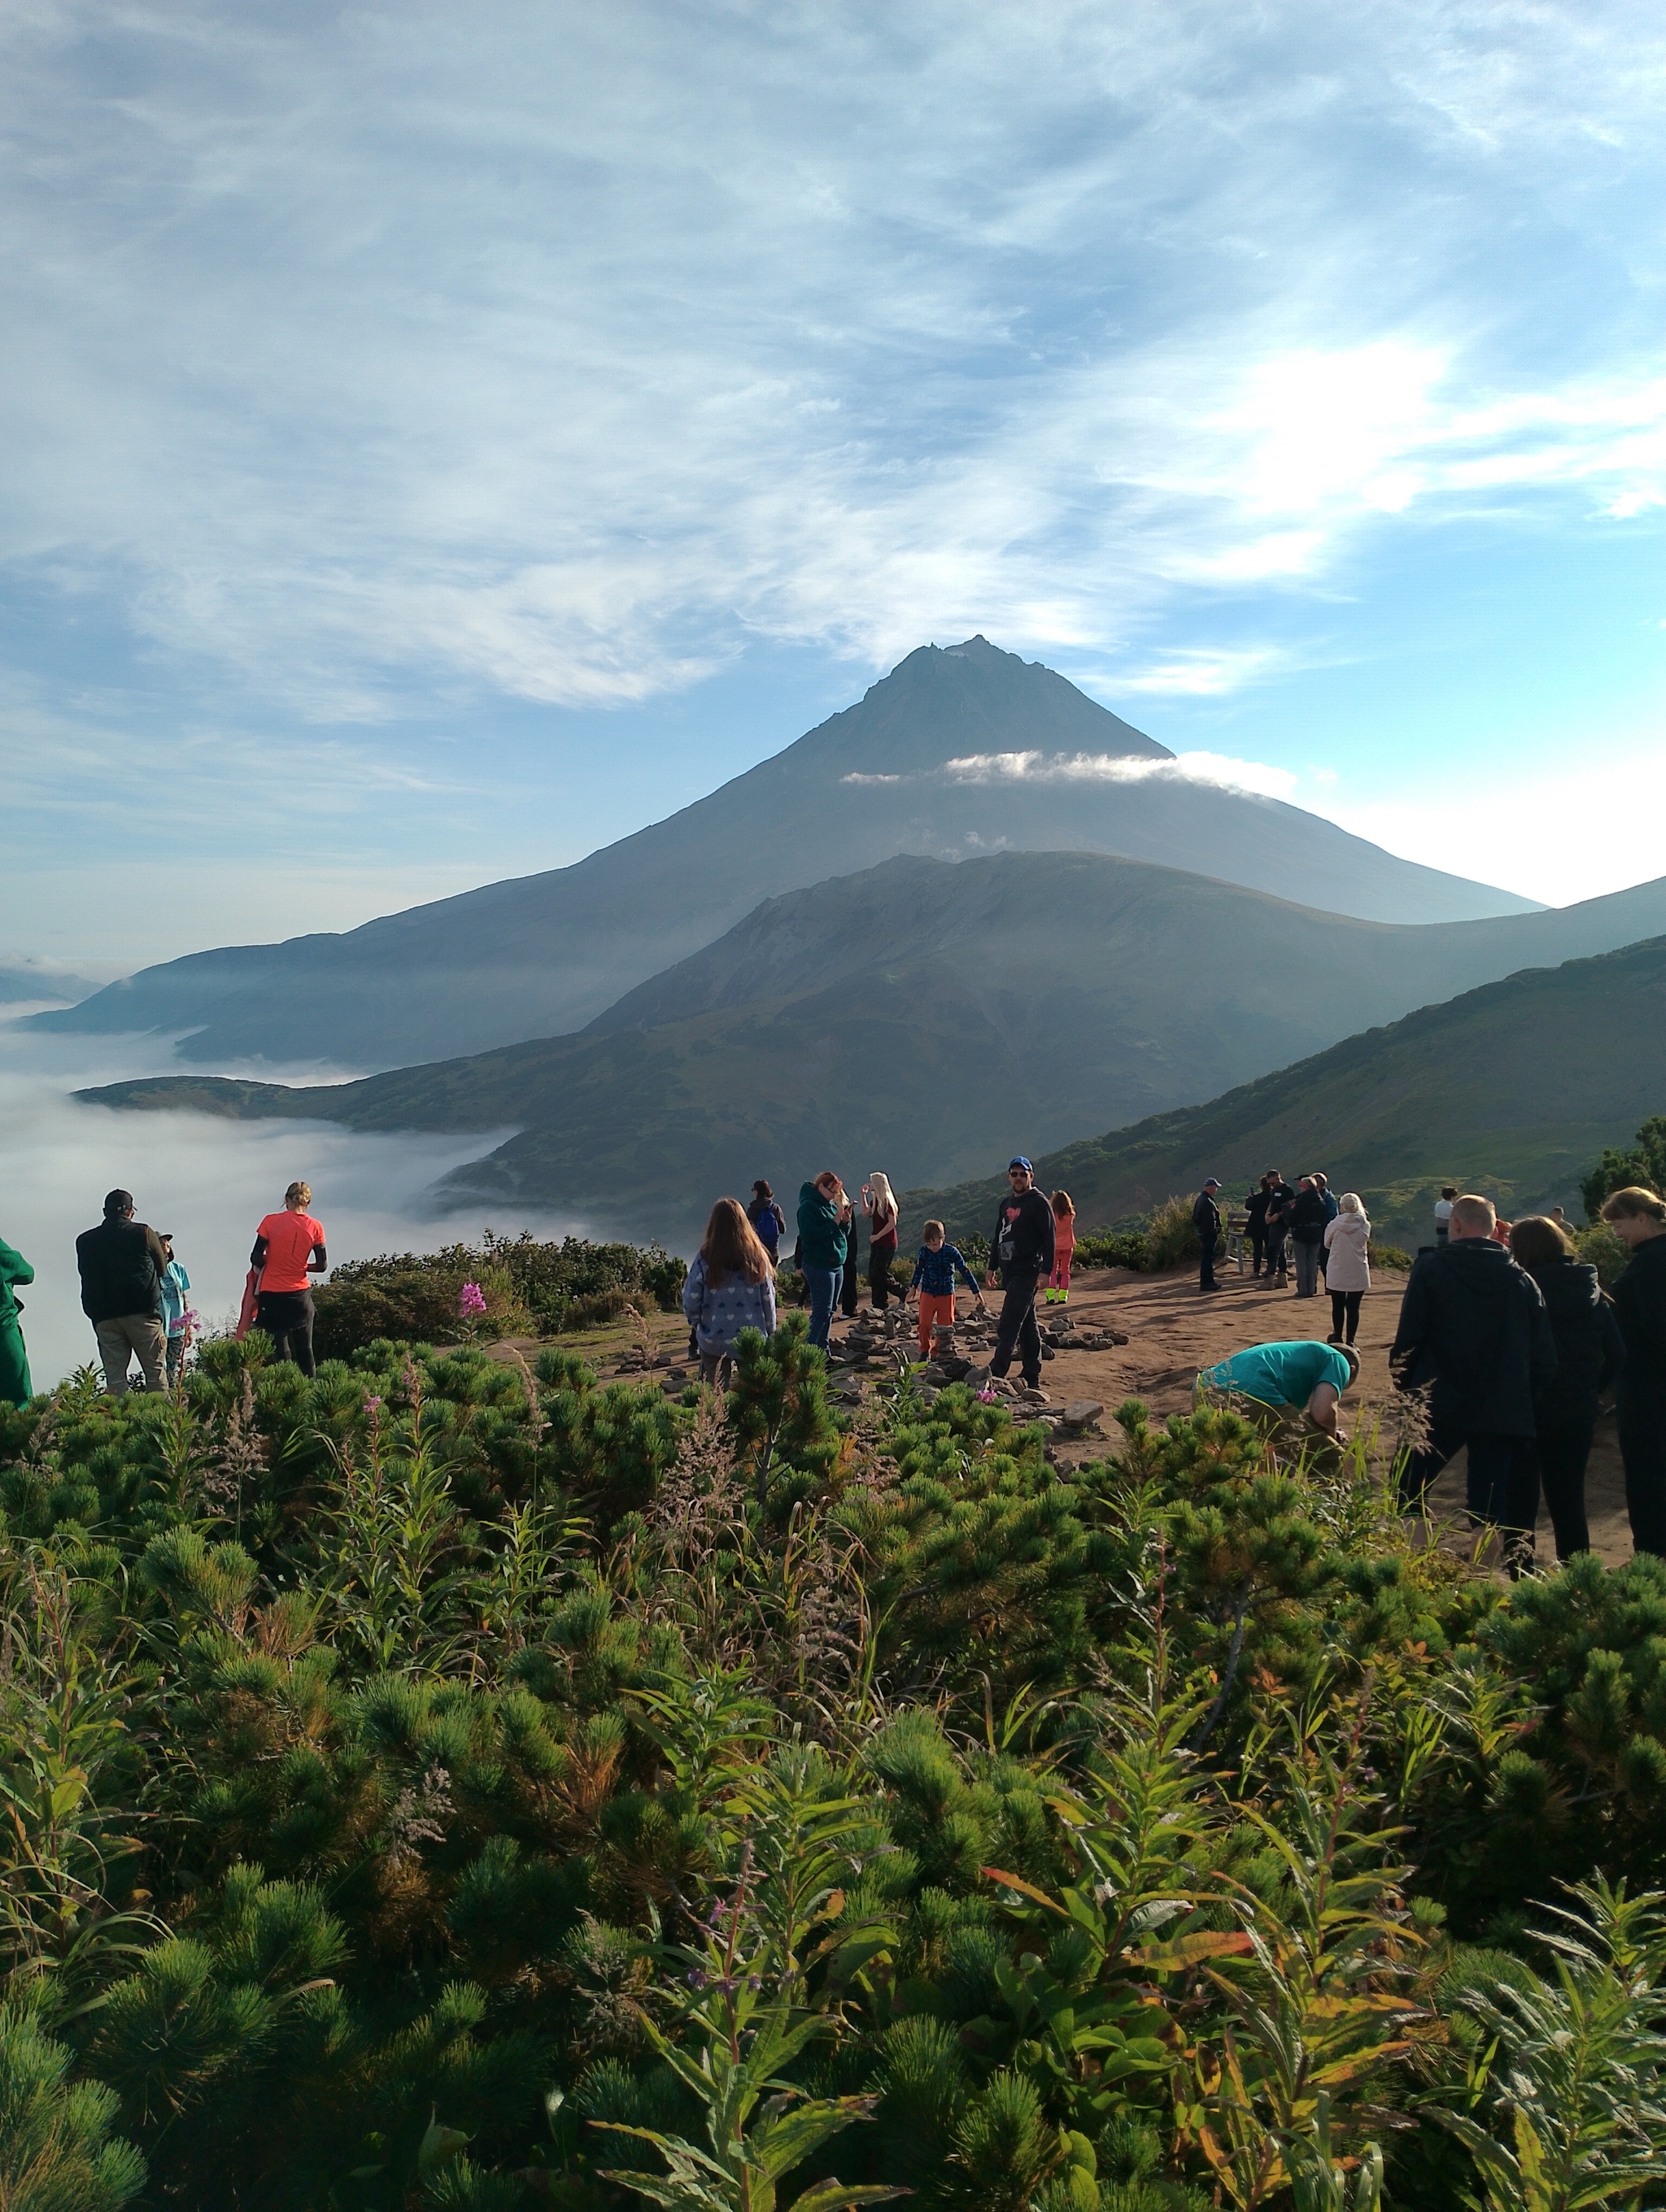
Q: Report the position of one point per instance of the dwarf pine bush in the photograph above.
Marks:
(446, 1782)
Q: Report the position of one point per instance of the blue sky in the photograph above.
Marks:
(434, 441)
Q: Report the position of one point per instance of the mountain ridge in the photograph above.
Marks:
(958, 750)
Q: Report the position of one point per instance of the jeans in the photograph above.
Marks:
(716, 1368)
(176, 1356)
(823, 1287)
(1258, 1249)
(1345, 1315)
(1643, 1447)
(1206, 1265)
(286, 1317)
(1017, 1330)
(125, 1334)
(1277, 1253)
(1503, 1484)
(1307, 1271)
(1563, 1449)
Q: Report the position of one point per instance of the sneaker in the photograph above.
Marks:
(1051, 1295)
(1064, 1297)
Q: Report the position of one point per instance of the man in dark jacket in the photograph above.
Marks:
(1281, 1197)
(1020, 1253)
(1637, 1218)
(1306, 1217)
(1205, 1220)
(1255, 1206)
(1472, 1325)
(122, 1264)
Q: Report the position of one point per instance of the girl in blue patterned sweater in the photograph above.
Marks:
(731, 1286)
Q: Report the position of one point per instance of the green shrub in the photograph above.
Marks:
(1170, 1238)
(1643, 1166)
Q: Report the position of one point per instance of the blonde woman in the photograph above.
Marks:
(1348, 1268)
(289, 1249)
(879, 1204)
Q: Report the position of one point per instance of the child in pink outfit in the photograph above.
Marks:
(1064, 1243)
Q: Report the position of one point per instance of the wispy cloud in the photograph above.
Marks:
(1117, 767)
(562, 350)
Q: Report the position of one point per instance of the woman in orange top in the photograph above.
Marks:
(288, 1247)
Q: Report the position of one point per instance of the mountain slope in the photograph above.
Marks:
(917, 1015)
(956, 752)
(1511, 1090)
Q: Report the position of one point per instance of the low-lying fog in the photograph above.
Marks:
(208, 1181)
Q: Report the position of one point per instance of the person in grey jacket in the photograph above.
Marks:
(730, 1287)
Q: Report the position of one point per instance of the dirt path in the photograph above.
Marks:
(1173, 1330)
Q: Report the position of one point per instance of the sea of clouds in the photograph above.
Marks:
(208, 1181)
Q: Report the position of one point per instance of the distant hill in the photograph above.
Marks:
(25, 982)
(959, 752)
(1512, 1090)
(917, 1017)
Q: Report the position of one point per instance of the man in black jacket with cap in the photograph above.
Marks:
(122, 1264)
(1021, 1253)
(1472, 1325)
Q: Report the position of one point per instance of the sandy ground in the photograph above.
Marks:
(1173, 1330)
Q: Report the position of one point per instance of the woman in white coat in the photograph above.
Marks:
(1347, 1270)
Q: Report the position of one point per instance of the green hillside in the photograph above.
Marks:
(1511, 1090)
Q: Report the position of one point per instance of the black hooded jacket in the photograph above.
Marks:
(1639, 1305)
(1590, 1349)
(122, 1264)
(1473, 1324)
(1023, 1242)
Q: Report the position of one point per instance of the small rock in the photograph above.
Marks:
(1083, 1414)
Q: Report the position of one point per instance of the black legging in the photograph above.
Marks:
(879, 1257)
(286, 1317)
(1344, 1313)
(1643, 1447)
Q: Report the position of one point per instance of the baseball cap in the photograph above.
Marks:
(1212, 1182)
(1018, 1161)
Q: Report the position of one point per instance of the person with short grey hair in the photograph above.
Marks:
(122, 1264)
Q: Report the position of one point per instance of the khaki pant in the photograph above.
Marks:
(128, 1333)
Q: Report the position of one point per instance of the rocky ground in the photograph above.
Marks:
(1146, 1337)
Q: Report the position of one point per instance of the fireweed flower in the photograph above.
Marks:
(471, 1300)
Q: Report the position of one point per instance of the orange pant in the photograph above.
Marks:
(1059, 1278)
(934, 1312)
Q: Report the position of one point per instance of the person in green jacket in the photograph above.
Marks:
(16, 1389)
(823, 1241)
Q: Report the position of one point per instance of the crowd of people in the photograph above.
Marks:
(135, 1292)
(1504, 1330)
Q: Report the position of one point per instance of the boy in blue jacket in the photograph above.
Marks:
(934, 1271)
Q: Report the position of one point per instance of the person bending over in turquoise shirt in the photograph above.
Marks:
(1310, 1375)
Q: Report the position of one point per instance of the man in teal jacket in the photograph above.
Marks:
(16, 1389)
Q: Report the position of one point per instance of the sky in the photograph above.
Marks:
(435, 441)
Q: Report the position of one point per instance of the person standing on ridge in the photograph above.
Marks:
(176, 1313)
(731, 1286)
(1205, 1220)
(289, 1249)
(1443, 1212)
(1280, 1200)
(122, 1264)
(1064, 1243)
(1332, 1207)
(1590, 1353)
(1307, 1217)
(1637, 1218)
(1020, 1253)
(1255, 1206)
(767, 1220)
(879, 1204)
(934, 1271)
(824, 1247)
(16, 1388)
(1473, 1325)
(1348, 1276)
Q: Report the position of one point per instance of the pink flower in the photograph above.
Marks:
(372, 1406)
(471, 1300)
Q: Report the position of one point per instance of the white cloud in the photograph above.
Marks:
(561, 350)
(1117, 767)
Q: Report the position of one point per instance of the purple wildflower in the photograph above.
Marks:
(471, 1300)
